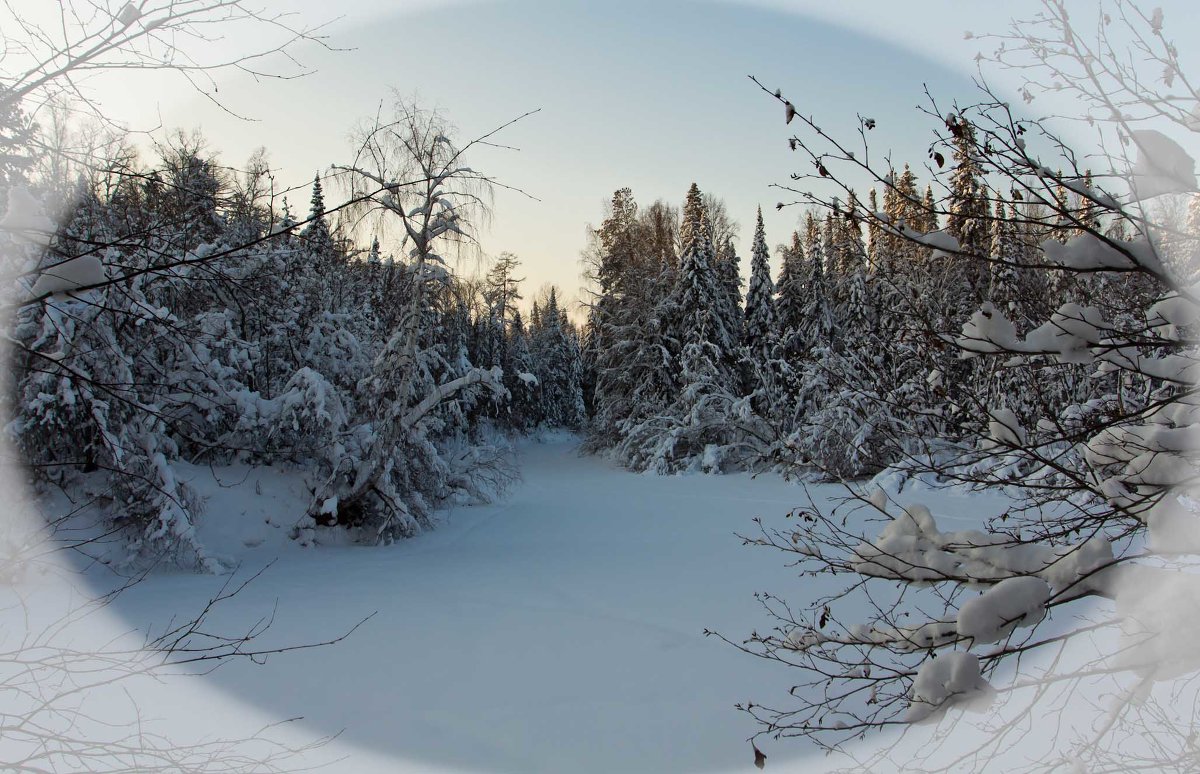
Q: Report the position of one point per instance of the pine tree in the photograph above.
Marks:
(967, 223)
(374, 278)
(502, 286)
(791, 289)
(316, 232)
(525, 408)
(632, 356)
(968, 201)
(850, 248)
(760, 325)
(697, 300)
(1004, 252)
(875, 247)
(902, 206)
(556, 360)
(689, 339)
(729, 287)
(817, 321)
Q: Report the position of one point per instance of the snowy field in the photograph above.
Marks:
(559, 630)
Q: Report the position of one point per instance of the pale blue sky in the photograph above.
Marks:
(650, 95)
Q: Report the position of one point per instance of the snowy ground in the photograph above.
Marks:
(560, 630)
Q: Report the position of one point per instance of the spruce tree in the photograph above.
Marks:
(729, 287)
(760, 324)
(697, 300)
(525, 407)
(316, 232)
(556, 362)
(791, 289)
(632, 358)
(967, 221)
(817, 321)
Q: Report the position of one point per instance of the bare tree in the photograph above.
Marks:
(408, 170)
(53, 50)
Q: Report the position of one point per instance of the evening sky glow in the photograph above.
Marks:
(646, 95)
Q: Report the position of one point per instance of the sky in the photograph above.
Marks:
(649, 95)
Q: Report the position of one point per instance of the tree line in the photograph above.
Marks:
(843, 362)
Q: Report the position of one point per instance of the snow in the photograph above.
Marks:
(1004, 428)
(1159, 612)
(987, 331)
(1088, 251)
(25, 217)
(1078, 569)
(559, 630)
(75, 273)
(938, 240)
(931, 634)
(1174, 527)
(950, 679)
(529, 635)
(1070, 336)
(1162, 166)
(1175, 309)
(1010, 604)
(128, 15)
(912, 547)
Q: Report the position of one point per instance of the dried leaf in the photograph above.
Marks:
(760, 760)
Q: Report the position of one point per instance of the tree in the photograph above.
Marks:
(631, 350)
(526, 406)
(555, 357)
(729, 288)
(760, 326)
(694, 427)
(52, 55)
(791, 288)
(816, 319)
(503, 288)
(1102, 502)
(697, 296)
(409, 170)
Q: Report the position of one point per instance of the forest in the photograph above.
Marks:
(963, 385)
